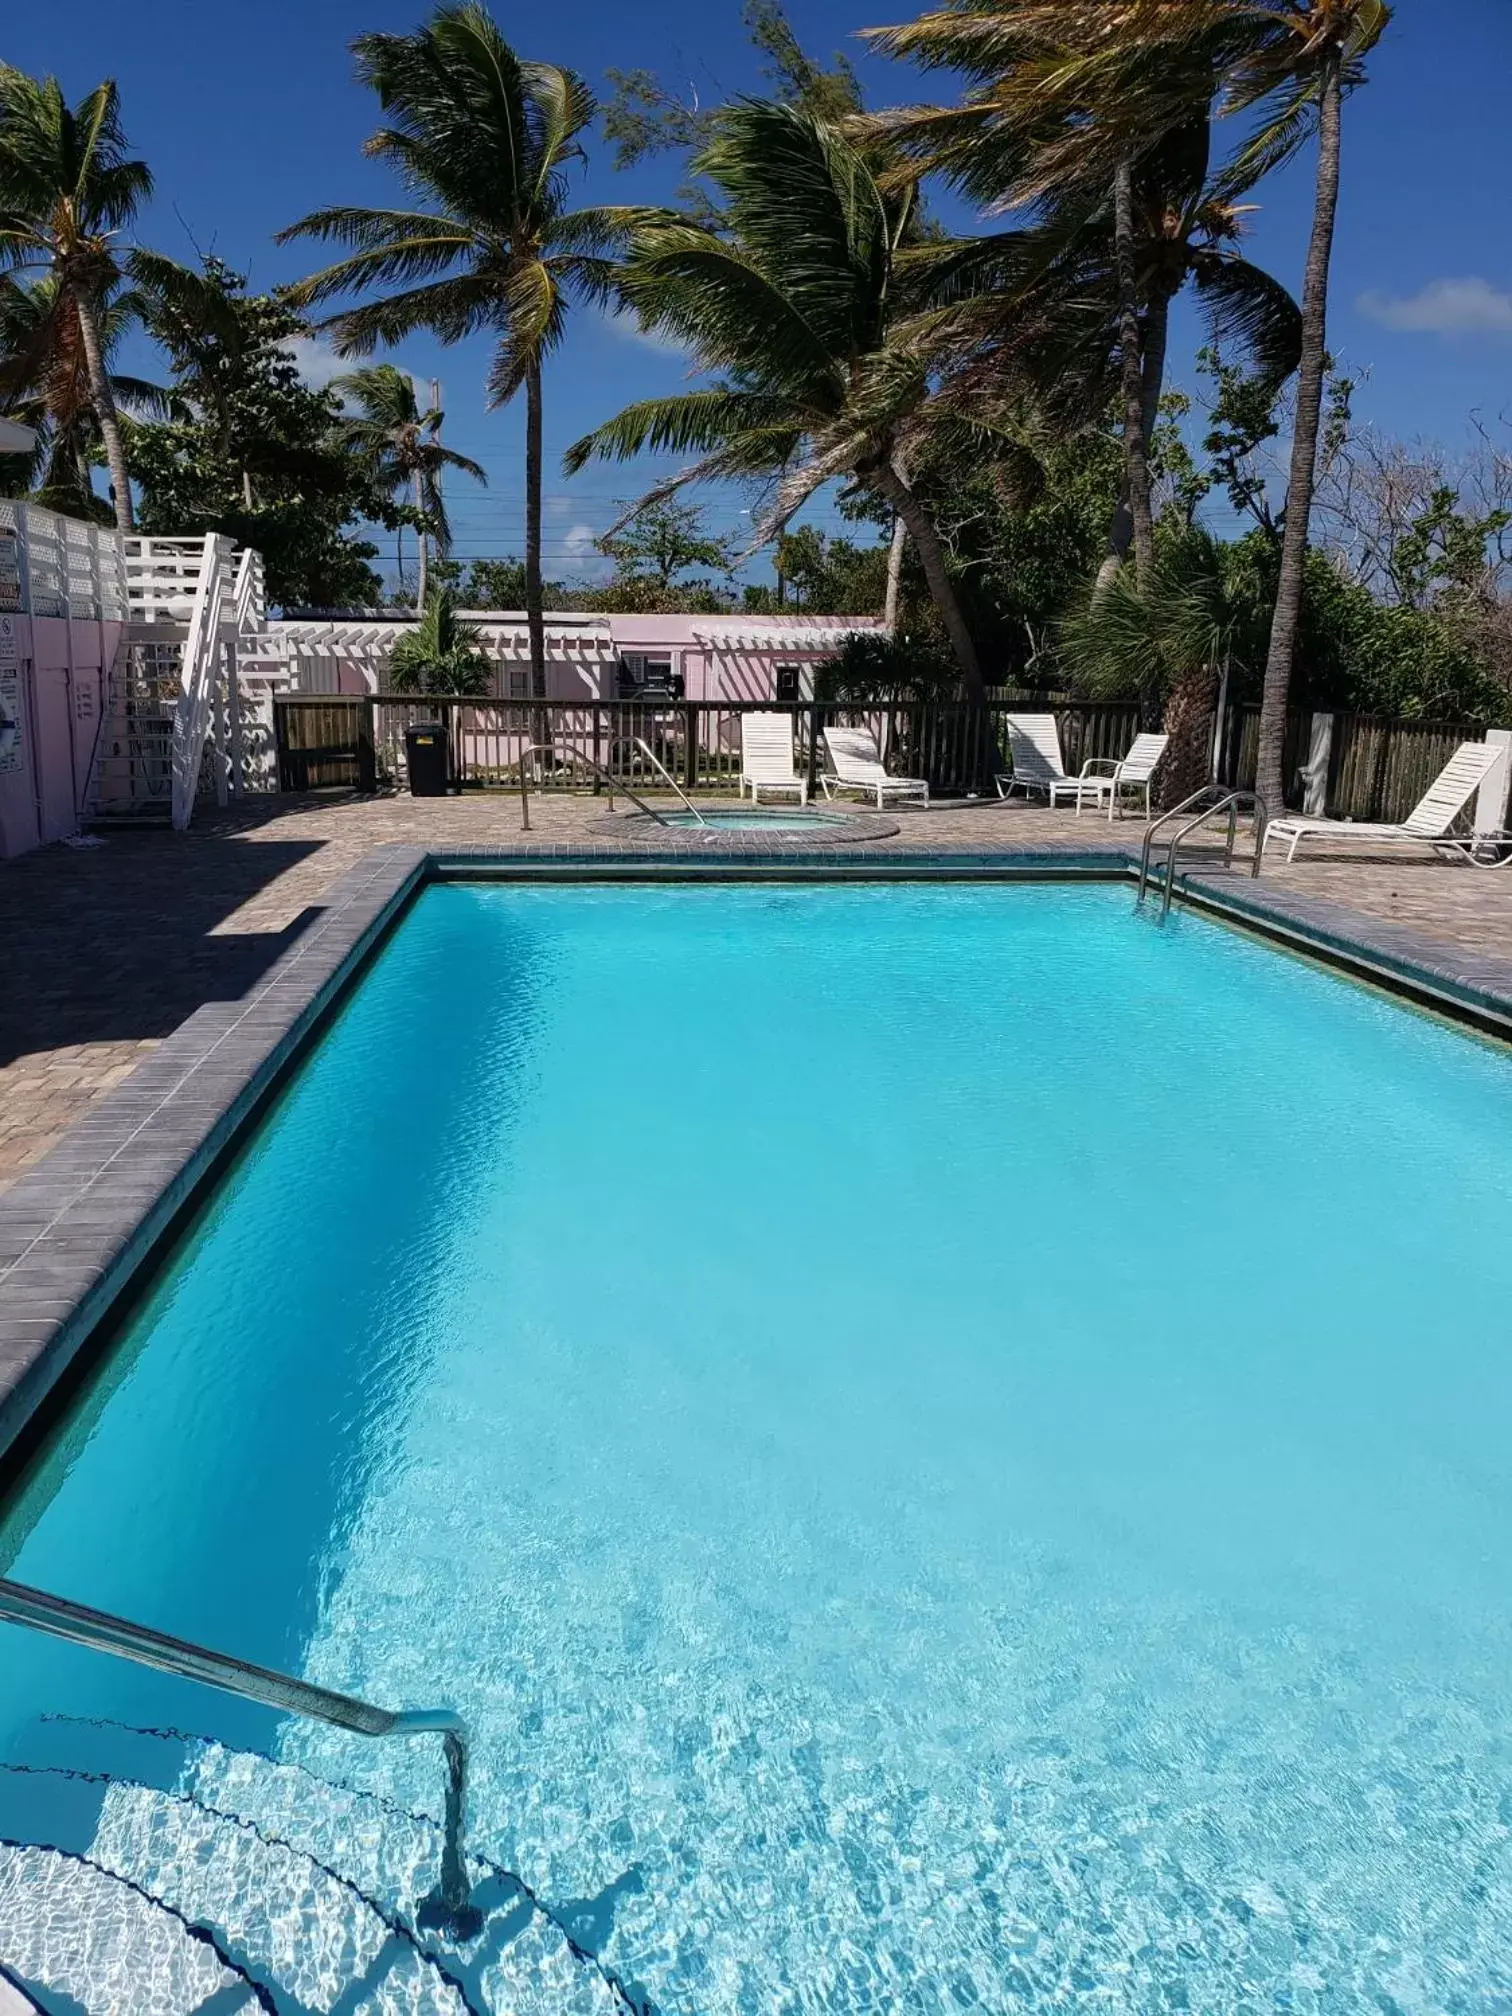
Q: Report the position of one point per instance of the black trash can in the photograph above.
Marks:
(425, 754)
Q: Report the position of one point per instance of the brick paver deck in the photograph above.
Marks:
(107, 949)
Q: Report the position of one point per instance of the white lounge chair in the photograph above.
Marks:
(1110, 777)
(766, 756)
(1034, 744)
(858, 767)
(1429, 821)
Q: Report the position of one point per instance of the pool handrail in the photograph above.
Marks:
(577, 756)
(451, 1906)
(1224, 800)
(651, 757)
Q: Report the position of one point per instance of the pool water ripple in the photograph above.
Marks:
(912, 1526)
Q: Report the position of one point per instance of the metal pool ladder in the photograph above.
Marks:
(1204, 805)
(449, 1907)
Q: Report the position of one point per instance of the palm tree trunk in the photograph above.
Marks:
(103, 400)
(1269, 781)
(534, 616)
(1156, 337)
(894, 575)
(890, 486)
(1188, 720)
(422, 581)
(1136, 449)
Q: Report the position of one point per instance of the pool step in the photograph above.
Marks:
(75, 1935)
(312, 1942)
(313, 1888)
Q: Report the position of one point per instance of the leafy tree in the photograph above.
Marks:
(402, 446)
(663, 541)
(832, 577)
(263, 459)
(68, 190)
(484, 141)
(874, 667)
(799, 302)
(441, 654)
(497, 584)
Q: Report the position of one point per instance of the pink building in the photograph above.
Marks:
(62, 617)
(588, 658)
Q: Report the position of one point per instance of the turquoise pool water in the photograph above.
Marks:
(953, 1443)
(758, 819)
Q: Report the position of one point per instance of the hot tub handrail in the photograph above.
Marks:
(101, 1632)
(588, 762)
(651, 757)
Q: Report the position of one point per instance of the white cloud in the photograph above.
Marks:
(317, 361)
(578, 542)
(623, 322)
(1444, 308)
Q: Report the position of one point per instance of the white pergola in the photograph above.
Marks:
(798, 638)
(368, 641)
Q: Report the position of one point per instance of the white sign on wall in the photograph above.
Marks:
(10, 569)
(10, 696)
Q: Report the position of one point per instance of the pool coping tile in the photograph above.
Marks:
(78, 1227)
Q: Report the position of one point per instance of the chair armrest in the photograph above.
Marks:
(1092, 763)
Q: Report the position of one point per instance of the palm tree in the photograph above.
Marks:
(483, 140)
(67, 192)
(1304, 54)
(798, 300)
(1136, 75)
(1165, 636)
(1128, 225)
(44, 383)
(441, 654)
(403, 447)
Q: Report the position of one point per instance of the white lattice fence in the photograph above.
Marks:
(67, 568)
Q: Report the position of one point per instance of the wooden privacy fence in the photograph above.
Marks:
(360, 741)
(1377, 769)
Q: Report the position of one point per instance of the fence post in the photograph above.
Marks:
(1315, 769)
(598, 749)
(1491, 799)
(813, 749)
(367, 755)
(690, 747)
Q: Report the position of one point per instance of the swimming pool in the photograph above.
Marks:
(952, 1444)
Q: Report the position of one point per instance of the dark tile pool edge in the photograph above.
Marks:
(1472, 988)
(77, 1228)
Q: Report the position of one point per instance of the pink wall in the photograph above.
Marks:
(710, 673)
(60, 690)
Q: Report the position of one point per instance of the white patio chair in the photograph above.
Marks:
(1111, 777)
(1034, 744)
(1429, 821)
(856, 766)
(766, 756)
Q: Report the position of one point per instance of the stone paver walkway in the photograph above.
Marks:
(107, 949)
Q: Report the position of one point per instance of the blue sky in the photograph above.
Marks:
(249, 116)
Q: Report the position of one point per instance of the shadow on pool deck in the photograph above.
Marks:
(119, 951)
